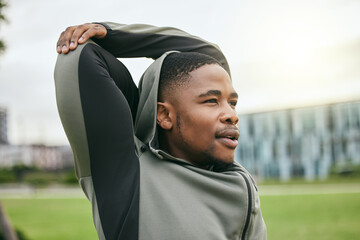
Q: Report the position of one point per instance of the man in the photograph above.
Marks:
(156, 162)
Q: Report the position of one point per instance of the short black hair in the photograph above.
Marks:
(176, 69)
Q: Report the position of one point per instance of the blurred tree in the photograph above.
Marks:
(6, 230)
(2, 19)
(20, 170)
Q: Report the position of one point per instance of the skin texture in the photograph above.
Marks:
(74, 35)
(198, 120)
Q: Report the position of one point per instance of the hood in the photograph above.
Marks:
(145, 122)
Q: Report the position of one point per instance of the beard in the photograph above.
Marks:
(216, 164)
(209, 160)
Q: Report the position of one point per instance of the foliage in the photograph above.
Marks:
(346, 173)
(6, 175)
(2, 18)
(70, 178)
(20, 170)
(333, 178)
(37, 177)
(14, 174)
(43, 178)
(346, 170)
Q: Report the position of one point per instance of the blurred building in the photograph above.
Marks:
(3, 126)
(40, 156)
(301, 142)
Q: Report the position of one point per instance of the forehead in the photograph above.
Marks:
(210, 77)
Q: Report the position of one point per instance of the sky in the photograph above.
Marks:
(282, 53)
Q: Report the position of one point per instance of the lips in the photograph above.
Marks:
(228, 136)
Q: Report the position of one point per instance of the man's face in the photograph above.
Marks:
(205, 129)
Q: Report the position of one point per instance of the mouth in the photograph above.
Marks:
(228, 137)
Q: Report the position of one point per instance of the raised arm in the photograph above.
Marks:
(74, 35)
(96, 99)
(137, 40)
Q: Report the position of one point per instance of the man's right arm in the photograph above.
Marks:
(74, 35)
(138, 40)
(91, 86)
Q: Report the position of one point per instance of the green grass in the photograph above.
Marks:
(327, 216)
(321, 217)
(51, 219)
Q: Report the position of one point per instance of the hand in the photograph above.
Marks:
(74, 35)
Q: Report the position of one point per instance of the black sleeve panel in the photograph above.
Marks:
(109, 129)
(152, 42)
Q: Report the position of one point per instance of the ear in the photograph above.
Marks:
(164, 115)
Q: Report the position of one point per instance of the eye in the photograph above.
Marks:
(213, 100)
(233, 103)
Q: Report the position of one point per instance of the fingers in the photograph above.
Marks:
(63, 43)
(78, 34)
(72, 36)
(93, 30)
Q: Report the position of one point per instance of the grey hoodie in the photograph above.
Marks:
(176, 200)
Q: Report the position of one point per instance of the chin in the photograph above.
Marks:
(222, 160)
(223, 157)
(226, 157)
(227, 161)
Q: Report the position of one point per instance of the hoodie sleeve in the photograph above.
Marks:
(140, 40)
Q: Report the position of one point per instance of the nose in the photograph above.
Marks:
(229, 116)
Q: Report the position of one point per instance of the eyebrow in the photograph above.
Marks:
(217, 93)
(211, 93)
